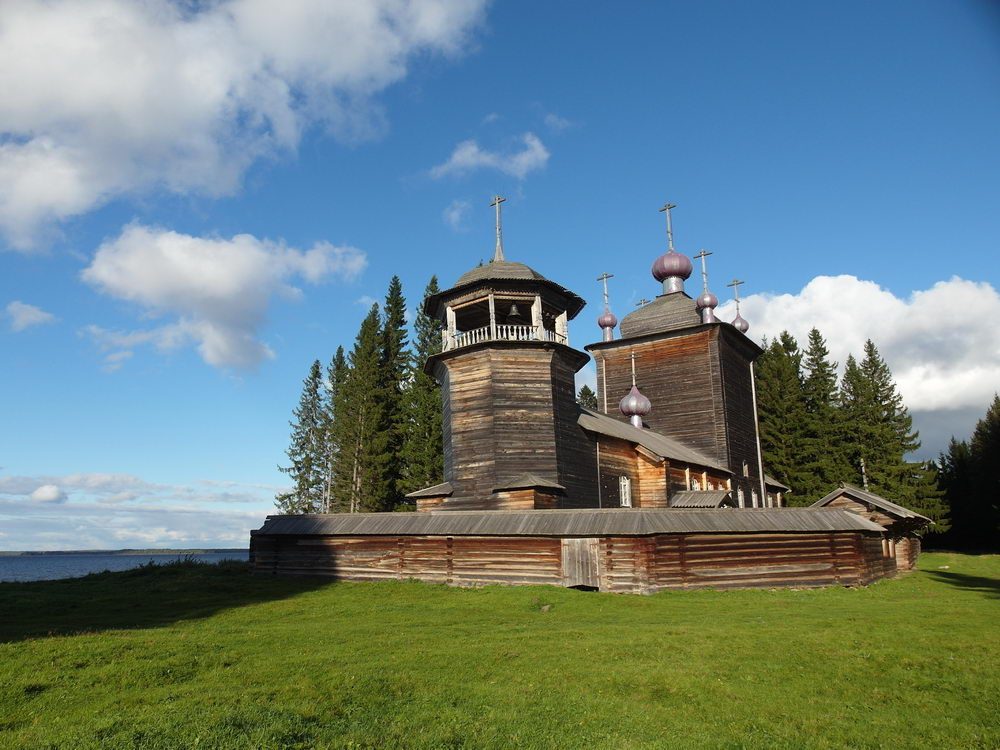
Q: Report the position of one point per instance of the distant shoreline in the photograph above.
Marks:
(204, 551)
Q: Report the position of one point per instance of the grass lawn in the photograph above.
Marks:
(194, 656)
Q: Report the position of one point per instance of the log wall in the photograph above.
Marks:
(623, 564)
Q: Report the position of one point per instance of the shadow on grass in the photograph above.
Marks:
(988, 586)
(145, 597)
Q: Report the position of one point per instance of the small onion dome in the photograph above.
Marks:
(707, 299)
(671, 264)
(740, 324)
(607, 320)
(635, 404)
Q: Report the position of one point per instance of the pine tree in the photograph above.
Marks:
(395, 374)
(587, 398)
(305, 451)
(336, 374)
(780, 409)
(882, 427)
(982, 511)
(361, 465)
(423, 450)
(823, 463)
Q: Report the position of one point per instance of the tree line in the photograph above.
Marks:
(817, 431)
(367, 428)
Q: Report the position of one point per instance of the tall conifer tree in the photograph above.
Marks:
(305, 452)
(781, 408)
(822, 459)
(587, 398)
(395, 374)
(336, 374)
(361, 466)
(423, 461)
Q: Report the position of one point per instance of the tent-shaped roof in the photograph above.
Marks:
(661, 445)
(856, 493)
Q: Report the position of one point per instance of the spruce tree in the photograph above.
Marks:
(587, 398)
(982, 511)
(336, 374)
(780, 409)
(362, 461)
(305, 451)
(823, 463)
(423, 449)
(395, 374)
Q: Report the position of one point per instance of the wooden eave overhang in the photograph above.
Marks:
(572, 301)
(876, 501)
(572, 523)
(740, 340)
(529, 481)
(577, 358)
(438, 490)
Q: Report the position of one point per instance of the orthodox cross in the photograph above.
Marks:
(704, 269)
(735, 284)
(642, 302)
(604, 277)
(632, 357)
(670, 227)
(498, 253)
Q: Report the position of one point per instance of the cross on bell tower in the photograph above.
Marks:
(498, 253)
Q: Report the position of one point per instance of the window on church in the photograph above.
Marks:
(625, 491)
(695, 483)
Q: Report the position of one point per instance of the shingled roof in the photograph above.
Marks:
(570, 523)
(665, 313)
(701, 499)
(890, 508)
(661, 445)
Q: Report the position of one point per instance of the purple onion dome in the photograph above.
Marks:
(669, 264)
(707, 299)
(740, 324)
(607, 320)
(635, 404)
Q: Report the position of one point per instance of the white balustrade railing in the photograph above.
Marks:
(503, 332)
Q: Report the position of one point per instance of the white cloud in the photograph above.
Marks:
(215, 290)
(48, 493)
(468, 156)
(455, 214)
(366, 301)
(940, 343)
(109, 510)
(556, 123)
(110, 97)
(24, 316)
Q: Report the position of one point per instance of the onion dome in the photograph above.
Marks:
(671, 264)
(740, 324)
(607, 320)
(706, 304)
(635, 406)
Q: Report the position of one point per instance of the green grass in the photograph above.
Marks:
(193, 656)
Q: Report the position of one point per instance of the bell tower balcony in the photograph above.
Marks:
(503, 317)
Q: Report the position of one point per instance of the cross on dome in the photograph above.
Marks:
(498, 253)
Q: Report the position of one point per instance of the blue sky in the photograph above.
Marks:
(840, 158)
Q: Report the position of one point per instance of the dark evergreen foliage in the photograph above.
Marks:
(423, 462)
(586, 397)
(781, 410)
(336, 374)
(394, 379)
(305, 452)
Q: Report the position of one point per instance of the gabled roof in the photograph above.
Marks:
(438, 490)
(772, 482)
(665, 313)
(571, 523)
(661, 445)
(890, 508)
(700, 499)
(528, 481)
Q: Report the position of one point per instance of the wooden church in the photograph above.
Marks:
(661, 487)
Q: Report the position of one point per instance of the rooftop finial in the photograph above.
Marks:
(738, 322)
(671, 268)
(635, 406)
(642, 303)
(667, 207)
(498, 253)
(707, 302)
(607, 321)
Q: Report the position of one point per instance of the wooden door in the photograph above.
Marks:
(580, 562)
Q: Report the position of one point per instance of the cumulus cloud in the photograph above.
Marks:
(213, 291)
(469, 156)
(940, 342)
(48, 493)
(111, 97)
(455, 214)
(23, 316)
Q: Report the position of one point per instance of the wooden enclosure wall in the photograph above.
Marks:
(907, 552)
(618, 564)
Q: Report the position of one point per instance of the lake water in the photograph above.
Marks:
(49, 567)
